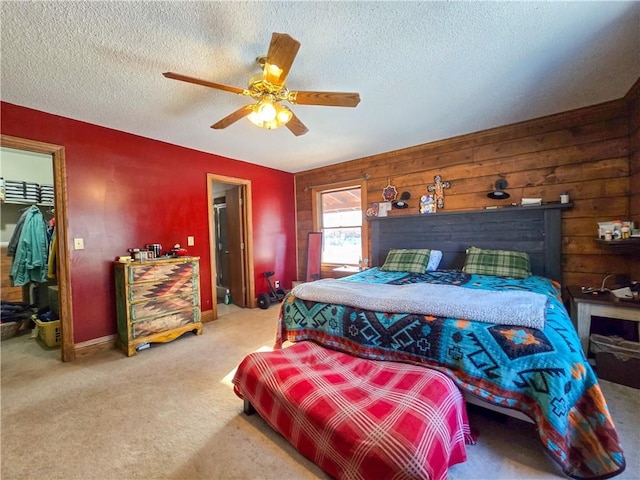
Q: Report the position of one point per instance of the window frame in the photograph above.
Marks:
(316, 208)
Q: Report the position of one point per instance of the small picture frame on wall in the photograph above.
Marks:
(383, 208)
(428, 204)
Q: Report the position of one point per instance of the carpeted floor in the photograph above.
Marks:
(170, 413)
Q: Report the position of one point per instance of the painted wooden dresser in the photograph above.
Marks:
(157, 301)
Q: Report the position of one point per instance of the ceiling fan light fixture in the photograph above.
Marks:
(269, 114)
(284, 114)
(267, 108)
(274, 70)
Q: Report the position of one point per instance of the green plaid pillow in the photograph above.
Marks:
(502, 263)
(407, 260)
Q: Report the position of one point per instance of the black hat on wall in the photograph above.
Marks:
(499, 193)
(402, 202)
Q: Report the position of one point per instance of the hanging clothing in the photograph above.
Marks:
(52, 263)
(30, 259)
(15, 236)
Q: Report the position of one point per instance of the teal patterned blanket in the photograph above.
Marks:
(541, 373)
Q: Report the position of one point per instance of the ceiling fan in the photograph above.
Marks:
(269, 90)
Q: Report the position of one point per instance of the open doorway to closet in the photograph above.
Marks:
(54, 156)
(230, 234)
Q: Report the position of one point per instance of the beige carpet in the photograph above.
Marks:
(170, 413)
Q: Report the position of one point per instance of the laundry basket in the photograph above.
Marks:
(49, 332)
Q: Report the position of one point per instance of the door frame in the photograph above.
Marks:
(247, 226)
(67, 346)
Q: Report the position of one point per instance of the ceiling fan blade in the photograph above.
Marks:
(330, 99)
(296, 126)
(232, 117)
(205, 83)
(282, 52)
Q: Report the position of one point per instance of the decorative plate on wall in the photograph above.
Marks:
(389, 193)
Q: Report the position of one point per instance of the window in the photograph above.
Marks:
(338, 214)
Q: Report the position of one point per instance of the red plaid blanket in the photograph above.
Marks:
(358, 418)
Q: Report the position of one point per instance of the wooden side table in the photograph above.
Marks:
(586, 305)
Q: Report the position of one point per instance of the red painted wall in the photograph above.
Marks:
(126, 191)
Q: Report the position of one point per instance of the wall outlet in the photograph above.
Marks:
(78, 243)
(277, 283)
(190, 241)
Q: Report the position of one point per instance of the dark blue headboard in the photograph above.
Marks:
(535, 230)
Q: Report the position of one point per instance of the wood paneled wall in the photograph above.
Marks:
(8, 292)
(585, 152)
(634, 166)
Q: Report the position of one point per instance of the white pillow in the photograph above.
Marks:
(434, 260)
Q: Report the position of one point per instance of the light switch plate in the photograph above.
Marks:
(190, 241)
(78, 243)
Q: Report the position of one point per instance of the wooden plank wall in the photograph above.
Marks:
(634, 166)
(584, 151)
(8, 292)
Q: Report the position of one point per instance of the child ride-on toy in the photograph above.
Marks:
(274, 295)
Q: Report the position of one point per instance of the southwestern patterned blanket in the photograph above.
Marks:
(541, 373)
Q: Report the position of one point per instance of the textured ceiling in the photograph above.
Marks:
(424, 70)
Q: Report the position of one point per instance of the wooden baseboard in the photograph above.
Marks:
(207, 316)
(91, 347)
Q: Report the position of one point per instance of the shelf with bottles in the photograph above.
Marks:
(622, 245)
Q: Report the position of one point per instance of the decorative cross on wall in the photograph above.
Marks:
(438, 188)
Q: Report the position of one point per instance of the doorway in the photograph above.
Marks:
(230, 234)
(63, 275)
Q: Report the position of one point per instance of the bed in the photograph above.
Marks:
(539, 373)
(358, 419)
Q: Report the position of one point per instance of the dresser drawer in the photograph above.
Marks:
(169, 287)
(162, 305)
(164, 323)
(154, 272)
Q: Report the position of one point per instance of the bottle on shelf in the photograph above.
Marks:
(624, 232)
(227, 297)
